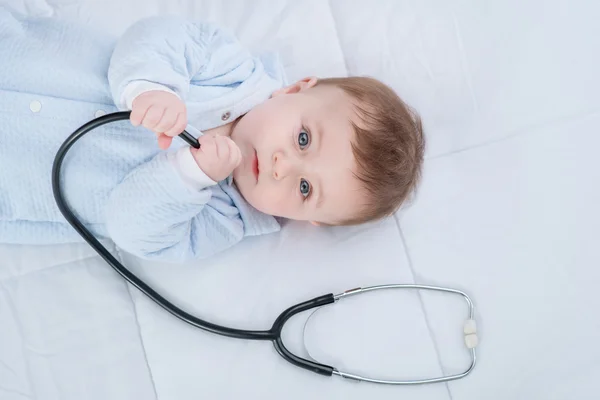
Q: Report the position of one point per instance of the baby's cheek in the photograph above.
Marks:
(273, 200)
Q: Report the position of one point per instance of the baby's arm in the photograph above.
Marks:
(167, 53)
(161, 209)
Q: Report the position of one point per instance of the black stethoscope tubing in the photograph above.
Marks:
(273, 334)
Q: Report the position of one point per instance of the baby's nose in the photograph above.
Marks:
(280, 166)
(276, 166)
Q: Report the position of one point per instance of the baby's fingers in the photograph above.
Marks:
(178, 126)
(164, 141)
(166, 122)
(223, 150)
(153, 117)
(235, 154)
(138, 113)
(207, 145)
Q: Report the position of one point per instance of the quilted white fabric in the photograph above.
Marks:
(508, 212)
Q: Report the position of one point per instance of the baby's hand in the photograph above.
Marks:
(162, 112)
(217, 156)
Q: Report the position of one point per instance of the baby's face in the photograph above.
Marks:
(297, 155)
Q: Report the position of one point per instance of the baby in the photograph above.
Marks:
(334, 151)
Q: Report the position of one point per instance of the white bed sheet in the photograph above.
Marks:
(507, 212)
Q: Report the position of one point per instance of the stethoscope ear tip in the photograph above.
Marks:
(470, 331)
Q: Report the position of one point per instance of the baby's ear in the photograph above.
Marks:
(296, 87)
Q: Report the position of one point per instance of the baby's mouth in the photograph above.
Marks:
(255, 168)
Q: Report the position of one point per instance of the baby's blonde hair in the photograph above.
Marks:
(388, 146)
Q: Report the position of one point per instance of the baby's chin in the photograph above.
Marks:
(252, 194)
(246, 187)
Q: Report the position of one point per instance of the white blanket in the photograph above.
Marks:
(508, 212)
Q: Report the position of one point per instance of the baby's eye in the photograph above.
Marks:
(303, 139)
(304, 187)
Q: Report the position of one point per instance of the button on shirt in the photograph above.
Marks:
(152, 203)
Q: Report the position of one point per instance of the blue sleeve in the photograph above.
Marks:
(173, 52)
(154, 214)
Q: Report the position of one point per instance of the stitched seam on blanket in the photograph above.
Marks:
(139, 328)
(20, 329)
(536, 128)
(75, 100)
(424, 310)
(337, 36)
(44, 269)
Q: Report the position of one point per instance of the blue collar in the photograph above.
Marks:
(255, 222)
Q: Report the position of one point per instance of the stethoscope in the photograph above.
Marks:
(274, 333)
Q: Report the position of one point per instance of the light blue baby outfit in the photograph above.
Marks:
(55, 76)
